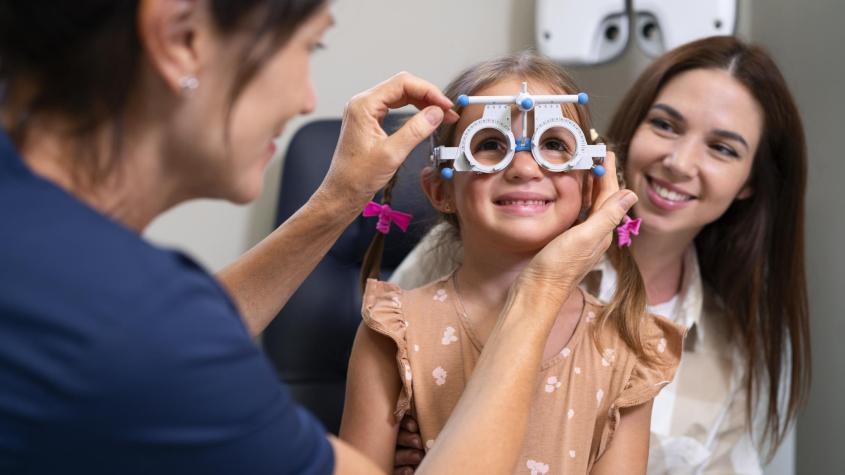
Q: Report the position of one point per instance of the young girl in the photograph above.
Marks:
(603, 364)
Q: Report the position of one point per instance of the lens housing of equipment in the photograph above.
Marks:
(488, 144)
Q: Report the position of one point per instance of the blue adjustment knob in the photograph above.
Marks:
(463, 100)
(527, 103)
(598, 170)
(583, 98)
(447, 173)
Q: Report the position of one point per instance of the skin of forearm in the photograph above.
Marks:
(263, 279)
(485, 432)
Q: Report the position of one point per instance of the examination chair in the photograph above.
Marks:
(310, 340)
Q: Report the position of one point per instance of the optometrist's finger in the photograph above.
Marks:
(403, 89)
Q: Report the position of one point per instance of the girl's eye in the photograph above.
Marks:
(556, 145)
(725, 150)
(489, 145)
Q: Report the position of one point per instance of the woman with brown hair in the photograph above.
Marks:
(710, 139)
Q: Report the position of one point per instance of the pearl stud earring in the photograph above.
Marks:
(189, 83)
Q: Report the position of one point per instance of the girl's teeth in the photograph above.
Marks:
(669, 194)
(523, 202)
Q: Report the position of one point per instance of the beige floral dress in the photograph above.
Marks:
(580, 392)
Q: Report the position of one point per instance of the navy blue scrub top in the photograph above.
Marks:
(117, 357)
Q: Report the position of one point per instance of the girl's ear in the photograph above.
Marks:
(438, 191)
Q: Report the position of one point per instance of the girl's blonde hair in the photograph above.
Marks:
(627, 308)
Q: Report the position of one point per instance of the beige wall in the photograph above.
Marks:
(807, 39)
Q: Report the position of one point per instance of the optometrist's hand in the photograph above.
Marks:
(566, 260)
(366, 157)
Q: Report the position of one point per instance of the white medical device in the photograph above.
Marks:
(589, 32)
(661, 25)
(582, 32)
(488, 144)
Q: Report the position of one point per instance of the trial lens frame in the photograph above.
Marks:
(497, 116)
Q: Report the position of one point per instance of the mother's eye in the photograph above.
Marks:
(725, 150)
(662, 124)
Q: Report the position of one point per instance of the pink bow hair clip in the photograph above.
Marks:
(628, 228)
(387, 215)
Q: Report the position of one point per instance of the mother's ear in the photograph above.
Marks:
(438, 190)
(745, 192)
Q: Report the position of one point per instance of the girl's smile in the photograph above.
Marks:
(523, 203)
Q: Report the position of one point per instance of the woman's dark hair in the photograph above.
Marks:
(752, 257)
(80, 59)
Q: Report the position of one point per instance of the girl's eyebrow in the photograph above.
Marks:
(725, 134)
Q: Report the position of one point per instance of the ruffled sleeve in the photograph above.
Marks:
(663, 341)
(382, 312)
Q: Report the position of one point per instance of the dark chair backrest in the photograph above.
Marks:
(310, 340)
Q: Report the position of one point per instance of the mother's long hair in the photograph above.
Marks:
(752, 257)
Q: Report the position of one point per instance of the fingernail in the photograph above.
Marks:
(434, 115)
(628, 200)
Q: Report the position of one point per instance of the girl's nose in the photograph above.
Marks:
(523, 167)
